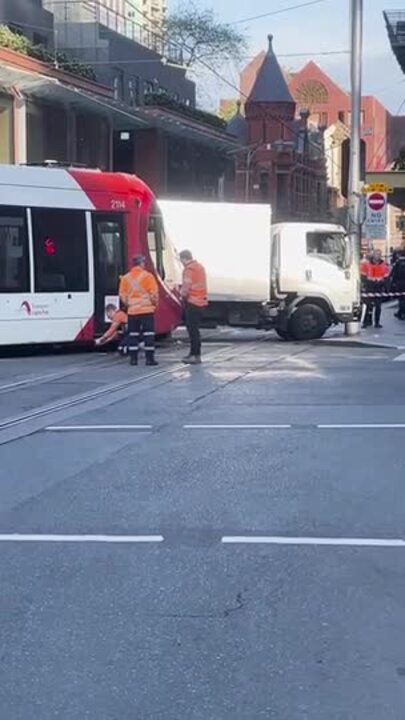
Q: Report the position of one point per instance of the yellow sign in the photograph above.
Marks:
(377, 187)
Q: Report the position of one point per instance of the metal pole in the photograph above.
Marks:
(356, 22)
(355, 206)
(247, 175)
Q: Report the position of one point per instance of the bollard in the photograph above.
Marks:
(352, 328)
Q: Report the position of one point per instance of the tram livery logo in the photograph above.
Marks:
(34, 309)
(26, 307)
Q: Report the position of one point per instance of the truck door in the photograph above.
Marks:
(109, 261)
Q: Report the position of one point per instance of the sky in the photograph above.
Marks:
(323, 27)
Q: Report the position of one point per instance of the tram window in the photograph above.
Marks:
(109, 235)
(14, 253)
(60, 250)
(156, 240)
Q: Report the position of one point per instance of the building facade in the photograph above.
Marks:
(281, 160)
(120, 107)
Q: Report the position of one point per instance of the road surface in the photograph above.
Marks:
(223, 542)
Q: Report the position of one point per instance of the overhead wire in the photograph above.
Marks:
(277, 12)
(224, 80)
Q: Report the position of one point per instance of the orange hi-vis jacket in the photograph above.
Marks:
(119, 319)
(139, 292)
(194, 288)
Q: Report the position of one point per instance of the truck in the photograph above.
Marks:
(297, 278)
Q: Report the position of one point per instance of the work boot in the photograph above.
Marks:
(378, 326)
(133, 359)
(150, 360)
(192, 360)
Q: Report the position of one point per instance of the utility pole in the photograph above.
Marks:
(354, 190)
(356, 44)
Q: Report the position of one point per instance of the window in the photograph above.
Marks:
(60, 250)
(109, 253)
(133, 89)
(327, 246)
(341, 116)
(148, 87)
(118, 85)
(156, 240)
(14, 253)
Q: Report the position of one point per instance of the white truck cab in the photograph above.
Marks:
(315, 276)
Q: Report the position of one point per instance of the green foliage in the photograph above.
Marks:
(162, 99)
(19, 43)
(202, 36)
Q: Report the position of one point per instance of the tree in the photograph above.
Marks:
(201, 36)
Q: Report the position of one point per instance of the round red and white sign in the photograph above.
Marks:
(376, 201)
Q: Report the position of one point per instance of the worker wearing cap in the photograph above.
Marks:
(139, 293)
(194, 294)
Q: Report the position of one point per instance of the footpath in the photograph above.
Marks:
(392, 334)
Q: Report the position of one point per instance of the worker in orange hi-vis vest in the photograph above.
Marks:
(139, 293)
(194, 294)
(117, 331)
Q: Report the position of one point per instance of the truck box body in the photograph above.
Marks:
(231, 240)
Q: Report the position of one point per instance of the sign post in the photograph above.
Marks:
(376, 216)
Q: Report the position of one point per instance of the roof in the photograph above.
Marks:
(270, 85)
(237, 126)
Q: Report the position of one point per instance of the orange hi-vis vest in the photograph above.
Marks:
(194, 288)
(139, 292)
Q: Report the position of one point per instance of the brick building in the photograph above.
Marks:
(281, 160)
(329, 105)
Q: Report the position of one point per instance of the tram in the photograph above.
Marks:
(66, 236)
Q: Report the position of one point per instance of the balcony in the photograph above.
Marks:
(395, 22)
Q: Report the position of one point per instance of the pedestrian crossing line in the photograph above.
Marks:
(399, 358)
(362, 426)
(107, 539)
(237, 427)
(97, 428)
(315, 541)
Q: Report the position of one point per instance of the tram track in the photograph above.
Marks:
(27, 423)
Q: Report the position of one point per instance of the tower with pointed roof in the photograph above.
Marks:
(270, 107)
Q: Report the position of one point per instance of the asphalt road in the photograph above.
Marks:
(222, 542)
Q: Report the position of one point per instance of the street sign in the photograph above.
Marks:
(376, 216)
(376, 201)
(377, 188)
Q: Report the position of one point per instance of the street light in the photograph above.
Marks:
(249, 157)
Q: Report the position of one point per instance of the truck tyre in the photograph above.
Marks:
(283, 334)
(309, 322)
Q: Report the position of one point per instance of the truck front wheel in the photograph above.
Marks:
(309, 322)
(283, 334)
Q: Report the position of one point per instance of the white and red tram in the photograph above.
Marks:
(66, 236)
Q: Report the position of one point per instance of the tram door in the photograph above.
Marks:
(109, 262)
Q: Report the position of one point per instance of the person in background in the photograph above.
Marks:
(194, 295)
(377, 277)
(117, 329)
(398, 279)
(364, 273)
(139, 293)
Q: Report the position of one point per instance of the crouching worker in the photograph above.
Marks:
(118, 330)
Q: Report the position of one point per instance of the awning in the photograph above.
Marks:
(41, 87)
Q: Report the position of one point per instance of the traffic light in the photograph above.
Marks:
(345, 164)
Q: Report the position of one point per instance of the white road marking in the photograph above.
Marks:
(338, 542)
(83, 428)
(236, 427)
(399, 358)
(109, 539)
(362, 426)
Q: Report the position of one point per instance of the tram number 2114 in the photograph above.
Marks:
(118, 205)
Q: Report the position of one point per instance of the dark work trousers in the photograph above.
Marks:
(123, 338)
(141, 326)
(193, 316)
